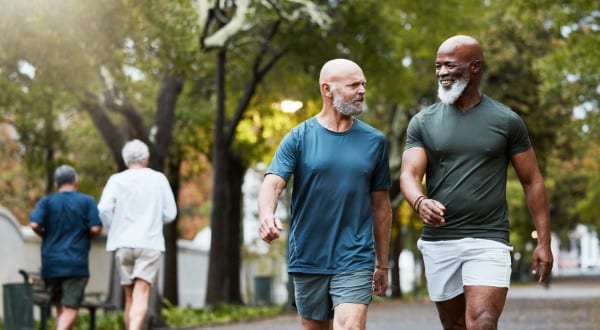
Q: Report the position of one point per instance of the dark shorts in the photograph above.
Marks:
(67, 291)
(317, 295)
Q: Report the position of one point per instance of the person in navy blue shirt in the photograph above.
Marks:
(340, 209)
(66, 221)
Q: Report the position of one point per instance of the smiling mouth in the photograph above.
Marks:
(446, 83)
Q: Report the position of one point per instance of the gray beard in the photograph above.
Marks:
(347, 108)
(449, 96)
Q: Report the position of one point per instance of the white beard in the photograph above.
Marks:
(449, 96)
(347, 108)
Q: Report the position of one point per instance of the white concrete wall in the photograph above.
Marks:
(192, 270)
(12, 250)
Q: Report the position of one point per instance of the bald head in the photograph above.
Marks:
(464, 48)
(337, 69)
(458, 67)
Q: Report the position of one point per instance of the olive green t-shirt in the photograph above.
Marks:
(467, 159)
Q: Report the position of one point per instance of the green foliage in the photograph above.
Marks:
(184, 317)
(181, 317)
(541, 60)
(104, 321)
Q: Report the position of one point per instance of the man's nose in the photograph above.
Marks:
(442, 71)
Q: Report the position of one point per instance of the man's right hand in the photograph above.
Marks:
(432, 212)
(270, 227)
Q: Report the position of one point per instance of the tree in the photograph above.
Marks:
(83, 59)
(540, 64)
(223, 25)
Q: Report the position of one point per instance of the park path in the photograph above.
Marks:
(572, 304)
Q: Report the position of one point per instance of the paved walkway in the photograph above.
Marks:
(565, 305)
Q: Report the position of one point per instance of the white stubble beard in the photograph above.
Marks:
(347, 108)
(449, 96)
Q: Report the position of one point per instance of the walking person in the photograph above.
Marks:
(134, 206)
(340, 210)
(462, 146)
(66, 221)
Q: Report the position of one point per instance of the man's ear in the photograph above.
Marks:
(326, 90)
(476, 66)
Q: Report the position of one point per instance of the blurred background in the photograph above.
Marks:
(213, 85)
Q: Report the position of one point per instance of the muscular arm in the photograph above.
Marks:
(414, 164)
(270, 225)
(531, 179)
(382, 220)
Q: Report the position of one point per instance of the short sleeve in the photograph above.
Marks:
(283, 163)
(93, 216)
(38, 215)
(413, 133)
(518, 137)
(381, 176)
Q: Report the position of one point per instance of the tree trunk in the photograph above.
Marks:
(396, 243)
(225, 256)
(171, 289)
(114, 138)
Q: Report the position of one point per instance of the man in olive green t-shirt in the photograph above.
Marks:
(463, 146)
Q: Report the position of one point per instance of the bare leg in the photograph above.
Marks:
(65, 317)
(484, 306)
(308, 324)
(128, 302)
(350, 316)
(139, 306)
(452, 312)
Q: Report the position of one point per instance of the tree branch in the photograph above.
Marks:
(258, 73)
(170, 88)
(226, 28)
(115, 100)
(108, 130)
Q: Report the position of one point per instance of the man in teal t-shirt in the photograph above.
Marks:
(462, 147)
(340, 209)
(66, 220)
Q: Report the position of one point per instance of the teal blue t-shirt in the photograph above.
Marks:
(331, 227)
(467, 159)
(66, 218)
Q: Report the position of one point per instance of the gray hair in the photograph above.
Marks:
(135, 152)
(65, 174)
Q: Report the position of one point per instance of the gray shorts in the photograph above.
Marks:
(67, 291)
(137, 263)
(451, 265)
(317, 295)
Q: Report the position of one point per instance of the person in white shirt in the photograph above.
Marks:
(134, 206)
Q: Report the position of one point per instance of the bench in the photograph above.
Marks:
(92, 300)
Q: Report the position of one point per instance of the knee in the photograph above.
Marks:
(354, 322)
(483, 319)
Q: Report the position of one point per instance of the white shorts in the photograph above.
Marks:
(137, 263)
(452, 264)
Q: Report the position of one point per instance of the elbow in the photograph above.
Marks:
(95, 231)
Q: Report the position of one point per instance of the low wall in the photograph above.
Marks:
(20, 249)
